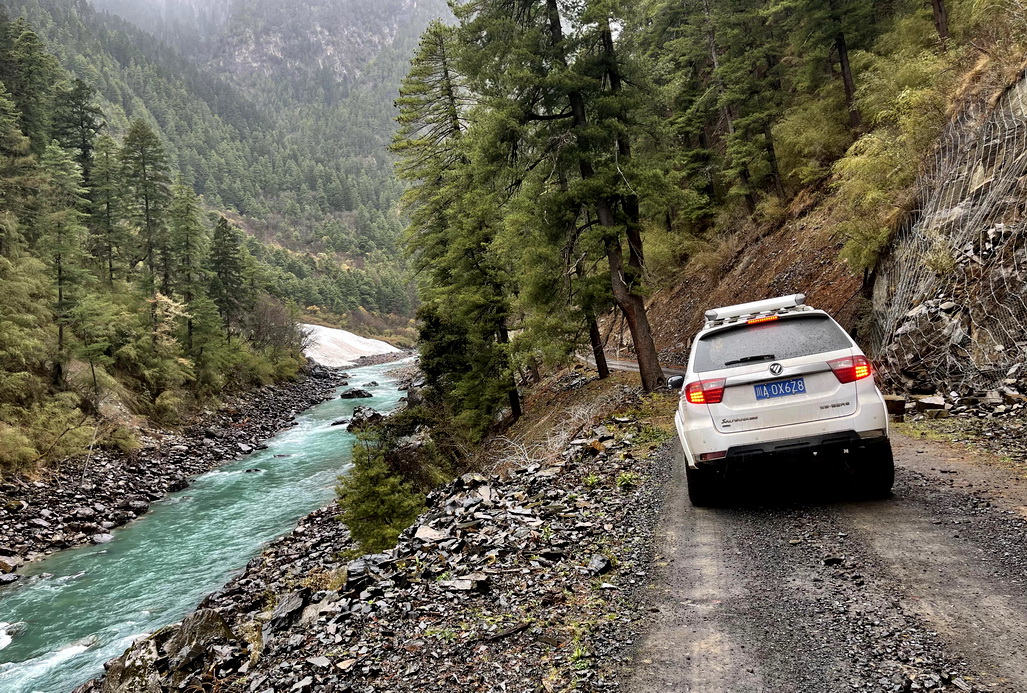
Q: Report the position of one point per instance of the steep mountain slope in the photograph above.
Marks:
(310, 174)
(174, 20)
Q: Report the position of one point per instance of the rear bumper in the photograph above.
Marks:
(698, 435)
(822, 450)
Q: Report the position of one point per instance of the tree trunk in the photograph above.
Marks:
(633, 307)
(941, 22)
(596, 338)
(58, 362)
(750, 200)
(855, 120)
(512, 394)
(775, 170)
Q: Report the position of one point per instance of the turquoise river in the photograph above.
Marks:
(78, 608)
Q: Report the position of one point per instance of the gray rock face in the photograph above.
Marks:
(170, 659)
(947, 296)
(286, 612)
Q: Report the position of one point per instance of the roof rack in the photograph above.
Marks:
(770, 306)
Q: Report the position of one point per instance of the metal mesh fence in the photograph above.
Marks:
(950, 299)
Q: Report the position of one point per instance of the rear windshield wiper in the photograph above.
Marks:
(747, 359)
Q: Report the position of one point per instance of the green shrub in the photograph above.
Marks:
(812, 135)
(376, 503)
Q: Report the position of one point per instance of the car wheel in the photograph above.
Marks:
(877, 472)
(704, 486)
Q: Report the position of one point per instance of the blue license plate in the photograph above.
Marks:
(781, 388)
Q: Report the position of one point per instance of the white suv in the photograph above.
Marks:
(776, 381)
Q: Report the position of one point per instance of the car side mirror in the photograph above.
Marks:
(675, 382)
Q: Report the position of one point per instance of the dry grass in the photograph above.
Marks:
(554, 416)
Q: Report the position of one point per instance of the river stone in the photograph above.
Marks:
(8, 564)
(355, 393)
(102, 538)
(364, 417)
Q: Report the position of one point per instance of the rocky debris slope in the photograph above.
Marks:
(962, 248)
(522, 582)
(83, 500)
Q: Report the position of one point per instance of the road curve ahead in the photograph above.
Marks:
(924, 591)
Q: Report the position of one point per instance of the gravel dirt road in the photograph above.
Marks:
(923, 591)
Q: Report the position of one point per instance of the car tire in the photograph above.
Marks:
(877, 471)
(704, 487)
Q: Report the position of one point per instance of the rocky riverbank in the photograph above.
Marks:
(524, 580)
(85, 499)
(378, 359)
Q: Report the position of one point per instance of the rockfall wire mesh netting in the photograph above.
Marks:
(950, 299)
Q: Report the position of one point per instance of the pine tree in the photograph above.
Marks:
(62, 234)
(19, 177)
(566, 107)
(77, 120)
(227, 264)
(189, 244)
(110, 238)
(30, 73)
(147, 184)
(453, 227)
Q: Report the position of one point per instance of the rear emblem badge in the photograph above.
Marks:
(776, 368)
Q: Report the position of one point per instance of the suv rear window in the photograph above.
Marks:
(801, 335)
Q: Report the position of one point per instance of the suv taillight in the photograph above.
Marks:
(705, 391)
(851, 369)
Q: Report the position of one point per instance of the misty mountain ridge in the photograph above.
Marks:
(320, 40)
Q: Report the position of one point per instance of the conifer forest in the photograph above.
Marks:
(182, 181)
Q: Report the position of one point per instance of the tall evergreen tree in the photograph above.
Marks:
(30, 74)
(146, 178)
(189, 243)
(19, 176)
(227, 263)
(566, 95)
(77, 120)
(453, 227)
(62, 235)
(110, 238)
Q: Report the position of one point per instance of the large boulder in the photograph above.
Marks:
(172, 658)
(364, 417)
(355, 393)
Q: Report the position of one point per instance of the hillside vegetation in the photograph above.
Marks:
(569, 159)
(118, 288)
(566, 159)
(298, 168)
